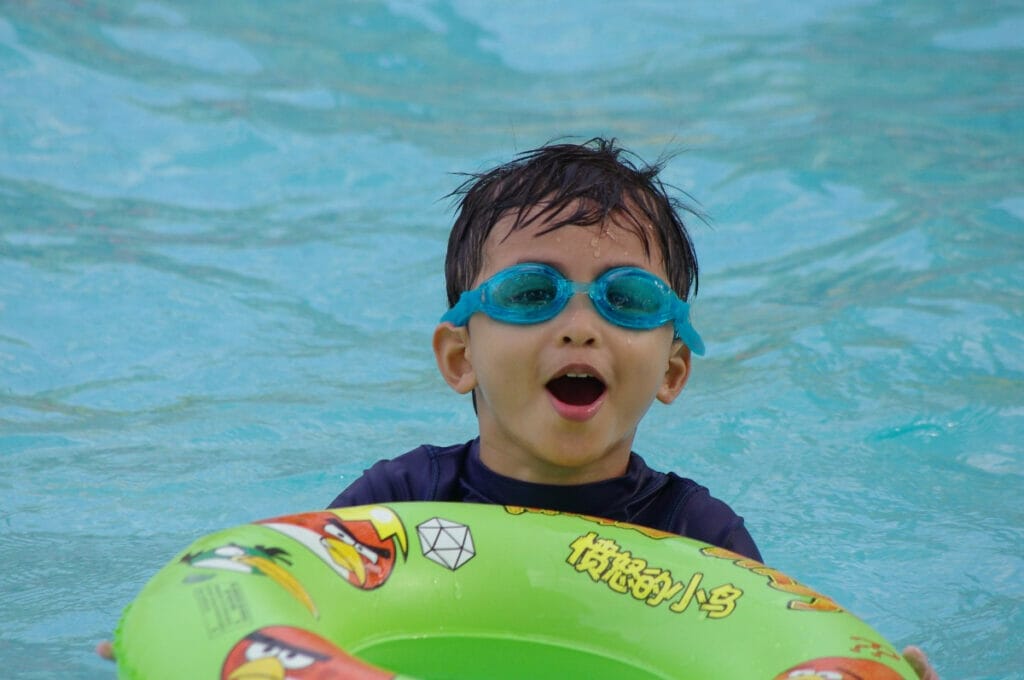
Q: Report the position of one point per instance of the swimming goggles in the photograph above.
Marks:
(531, 293)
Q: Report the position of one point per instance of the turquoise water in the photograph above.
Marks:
(221, 241)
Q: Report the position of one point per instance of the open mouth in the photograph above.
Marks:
(576, 389)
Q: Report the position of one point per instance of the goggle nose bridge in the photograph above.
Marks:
(577, 287)
(571, 289)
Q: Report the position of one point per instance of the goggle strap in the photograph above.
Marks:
(685, 330)
(468, 303)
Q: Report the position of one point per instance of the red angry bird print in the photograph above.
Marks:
(840, 668)
(286, 653)
(360, 544)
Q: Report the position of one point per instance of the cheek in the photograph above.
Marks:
(498, 354)
(650, 360)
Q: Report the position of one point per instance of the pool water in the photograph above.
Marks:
(222, 230)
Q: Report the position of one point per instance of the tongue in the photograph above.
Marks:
(576, 391)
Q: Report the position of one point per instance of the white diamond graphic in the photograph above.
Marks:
(448, 543)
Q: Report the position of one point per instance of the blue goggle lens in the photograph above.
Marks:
(526, 294)
(635, 298)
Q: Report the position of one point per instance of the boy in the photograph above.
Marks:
(559, 381)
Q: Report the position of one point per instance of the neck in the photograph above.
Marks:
(563, 466)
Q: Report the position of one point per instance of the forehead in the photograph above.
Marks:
(575, 249)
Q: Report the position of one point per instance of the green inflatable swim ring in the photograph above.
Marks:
(456, 590)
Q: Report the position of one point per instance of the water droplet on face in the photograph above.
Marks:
(597, 253)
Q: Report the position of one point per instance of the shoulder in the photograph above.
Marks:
(682, 506)
(710, 519)
(426, 473)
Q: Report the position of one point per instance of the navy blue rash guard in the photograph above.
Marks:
(641, 496)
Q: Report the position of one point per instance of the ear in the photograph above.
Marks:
(451, 351)
(676, 374)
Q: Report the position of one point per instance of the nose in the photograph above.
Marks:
(580, 321)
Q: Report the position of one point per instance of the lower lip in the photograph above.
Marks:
(573, 412)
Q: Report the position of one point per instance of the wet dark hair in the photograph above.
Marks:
(595, 179)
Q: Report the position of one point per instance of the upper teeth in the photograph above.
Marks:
(578, 375)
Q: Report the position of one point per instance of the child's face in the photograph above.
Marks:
(536, 423)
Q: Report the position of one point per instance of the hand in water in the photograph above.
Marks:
(919, 662)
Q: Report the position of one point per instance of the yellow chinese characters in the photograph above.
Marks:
(605, 561)
(815, 601)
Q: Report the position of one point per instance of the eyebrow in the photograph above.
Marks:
(554, 265)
